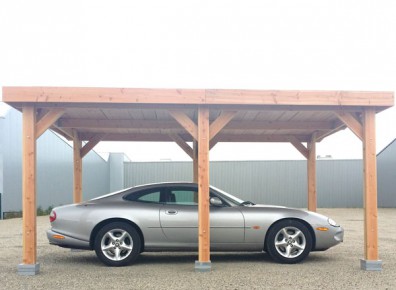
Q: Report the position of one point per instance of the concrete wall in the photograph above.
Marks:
(269, 182)
(54, 168)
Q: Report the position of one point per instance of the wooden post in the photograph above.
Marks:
(371, 261)
(311, 173)
(77, 172)
(195, 161)
(203, 263)
(29, 231)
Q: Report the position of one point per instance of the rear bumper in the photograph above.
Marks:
(64, 241)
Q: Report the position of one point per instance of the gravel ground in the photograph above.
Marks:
(337, 268)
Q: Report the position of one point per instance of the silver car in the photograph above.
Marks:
(164, 217)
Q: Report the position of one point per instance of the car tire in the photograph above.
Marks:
(289, 242)
(117, 244)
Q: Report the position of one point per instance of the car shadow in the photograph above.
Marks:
(89, 258)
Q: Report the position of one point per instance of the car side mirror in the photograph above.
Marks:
(215, 201)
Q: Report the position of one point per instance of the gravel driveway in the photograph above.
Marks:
(337, 268)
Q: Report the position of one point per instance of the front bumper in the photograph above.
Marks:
(328, 239)
(64, 241)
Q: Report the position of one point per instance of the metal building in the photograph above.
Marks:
(54, 168)
(386, 166)
(339, 181)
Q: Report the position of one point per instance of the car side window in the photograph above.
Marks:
(182, 197)
(153, 197)
(147, 196)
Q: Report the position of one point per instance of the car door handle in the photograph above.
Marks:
(171, 211)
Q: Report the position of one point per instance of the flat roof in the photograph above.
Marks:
(133, 114)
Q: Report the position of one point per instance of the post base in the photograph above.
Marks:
(28, 269)
(371, 265)
(203, 266)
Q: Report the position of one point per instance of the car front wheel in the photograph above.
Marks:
(289, 242)
(117, 244)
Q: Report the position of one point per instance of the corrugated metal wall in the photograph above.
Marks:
(269, 182)
(386, 161)
(1, 165)
(54, 168)
(339, 182)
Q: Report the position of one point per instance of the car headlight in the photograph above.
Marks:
(332, 222)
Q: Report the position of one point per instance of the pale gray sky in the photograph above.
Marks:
(283, 44)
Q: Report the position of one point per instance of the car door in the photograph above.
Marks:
(179, 219)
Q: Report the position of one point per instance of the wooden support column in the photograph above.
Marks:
(371, 261)
(77, 169)
(195, 161)
(29, 228)
(203, 264)
(311, 173)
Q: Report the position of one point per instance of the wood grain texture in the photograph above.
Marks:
(77, 172)
(203, 186)
(195, 96)
(311, 162)
(29, 236)
(353, 124)
(370, 187)
(48, 120)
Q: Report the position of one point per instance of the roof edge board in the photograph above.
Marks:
(13, 95)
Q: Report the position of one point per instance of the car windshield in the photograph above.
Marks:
(232, 199)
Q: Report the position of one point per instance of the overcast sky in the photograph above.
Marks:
(289, 44)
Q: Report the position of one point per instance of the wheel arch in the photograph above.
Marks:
(309, 227)
(100, 225)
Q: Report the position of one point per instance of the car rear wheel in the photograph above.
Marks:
(117, 244)
(289, 242)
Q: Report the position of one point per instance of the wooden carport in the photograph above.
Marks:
(203, 117)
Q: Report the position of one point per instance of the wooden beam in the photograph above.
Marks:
(225, 137)
(299, 98)
(47, 120)
(299, 146)
(185, 122)
(221, 137)
(197, 96)
(311, 173)
(183, 145)
(338, 126)
(117, 124)
(77, 172)
(370, 187)
(104, 95)
(203, 186)
(65, 132)
(279, 125)
(195, 162)
(166, 124)
(91, 144)
(29, 234)
(352, 123)
(195, 168)
(218, 124)
(213, 143)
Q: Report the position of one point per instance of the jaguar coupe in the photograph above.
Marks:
(164, 217)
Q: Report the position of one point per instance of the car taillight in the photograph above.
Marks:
(52, 216)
